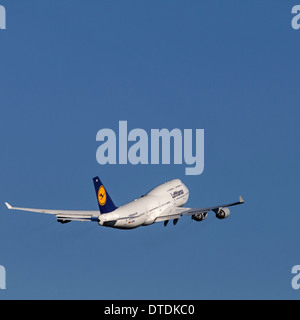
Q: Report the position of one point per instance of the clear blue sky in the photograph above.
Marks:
(71, 68)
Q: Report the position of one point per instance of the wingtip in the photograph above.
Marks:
(241, 199)
(8, 205)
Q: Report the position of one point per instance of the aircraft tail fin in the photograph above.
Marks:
(105, 203)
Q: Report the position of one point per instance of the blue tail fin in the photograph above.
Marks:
(105, 203)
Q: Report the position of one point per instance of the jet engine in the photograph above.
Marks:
(223, 213)
(199, 216)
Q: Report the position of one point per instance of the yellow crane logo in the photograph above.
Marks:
(102, 196)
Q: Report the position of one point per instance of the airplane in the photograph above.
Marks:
(163, 203)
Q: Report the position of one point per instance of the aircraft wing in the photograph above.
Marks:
(191, 211)
(171, 214)
(63, 216)
(176, 213)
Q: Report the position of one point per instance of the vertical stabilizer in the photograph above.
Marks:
(105, 203)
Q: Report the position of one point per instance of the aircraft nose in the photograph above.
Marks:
(186, 192)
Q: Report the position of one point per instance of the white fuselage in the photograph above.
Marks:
(145, 210)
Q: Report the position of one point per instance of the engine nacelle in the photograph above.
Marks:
(199, 216)
(223, 213)
(63, 221)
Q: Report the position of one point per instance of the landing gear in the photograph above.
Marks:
(167, 221)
